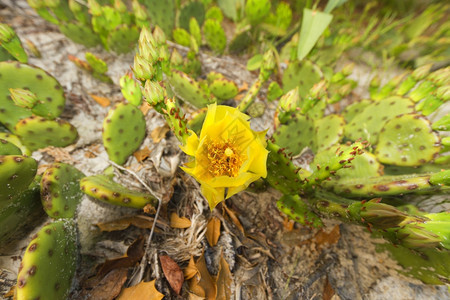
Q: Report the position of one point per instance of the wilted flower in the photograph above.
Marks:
(227, 156)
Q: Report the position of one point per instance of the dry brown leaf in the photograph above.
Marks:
(224, 279)
(213, 231)
(191, 270)
(172, 272)
(329, 238)
(179, 222)
(142, 154)
(193, 296)
(103, 101)
(233, 217)
(288, 224)
(203, 284)
(110, 285)
(133, 255)
(10, 293)
(243, 87)
(139, 221)
(159, 133)
(141, 291)
(145, 107)
(328, 291)
(80, 63)
(239, 97)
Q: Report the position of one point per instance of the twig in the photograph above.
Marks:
(140, 273)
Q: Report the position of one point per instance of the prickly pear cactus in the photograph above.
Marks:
(407, 140)
(47, 89)
(162, 13)
(11, 43)
(13, 139)
(49, 263)
(215, 35)
(37, 132)
(123, 131)
(303, 75)
(368, 124)
(103, 188)
(8, 148)
(122, 39)
(224, 88)
(297, 210)
(16, 174)
(256, 10)
(194, 9)
(60, 190)
(80, 34)
(188, 90)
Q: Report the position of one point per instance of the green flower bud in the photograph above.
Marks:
(139, 11)
(443, 93)
(148, 52)
(23, 98)
(6, 33)
(176, 59)
(318, 90)
(421, 72)
(142, 68)
(146, 36)
(268, 60)
(153, 93)
(159, 36)
(95, 8)
(290, 101)
(163, 54)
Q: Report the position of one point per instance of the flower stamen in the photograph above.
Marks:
(225, 159)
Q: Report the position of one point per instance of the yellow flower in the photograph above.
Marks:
(227, 156)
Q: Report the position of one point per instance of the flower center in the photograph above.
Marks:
(224, 158)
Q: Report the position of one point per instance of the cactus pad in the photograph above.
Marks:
(223, 88)
(187, 89)
(367, 125)
(16, 174)
(122, 39)
(46, 88)
(329, 131)
(80, 34)
(123, 131)
(298, 211)
(8, 148)
(49, 263)
(162, 13)
(407, 140)
(37, 132)
(194, 9)
(303, 74)
(103, 188)
(16, 141)
(215, 35)
(256, 10)
(354, 109)
(60, 190)
(296, 134)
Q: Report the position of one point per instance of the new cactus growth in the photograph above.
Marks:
(103, 188)
(11, 43)
(45, 87)
(123, 131)
(188, 90)
(60, 190)
(37, 132)
(49, 263)
(17, 172)
(223, 88)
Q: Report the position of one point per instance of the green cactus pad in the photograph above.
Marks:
(37, 132)
(16, 141)
(442, 177)
(213, 76)
(187, 89)
(256, 10)
(16, 174)
(430, 104)
(80, 34)
(282, 174)
(384, 186)
(123, 39)
(364, 165)
(8, 148)
(15, 212)
(103, 188)
(296, 134)
(297, 210)
(60, 190)
(303, 75)
(274, 91)
(329, 131)
(407, 140)
(354, 109)
(215, 35)
(49, 263)
(12, 44)
(194, 9)
(123, 131)
(46, 88)
(224, 88)
(368, 124)
(182, 37)
(162, 13)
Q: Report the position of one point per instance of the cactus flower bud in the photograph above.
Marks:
(163, 54)
(139, 11)
(159, 36)
(176, 59)
(348, 69)
(268, 60)
(421, 72)
(290, 101)
(130, 89)
(153, 93)
(23, 98)
(6, 33)
(443, 93)
(120, 6)
(142, 68)
(147, 36)
(95, 8)
(148, 52)
(318, 90)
